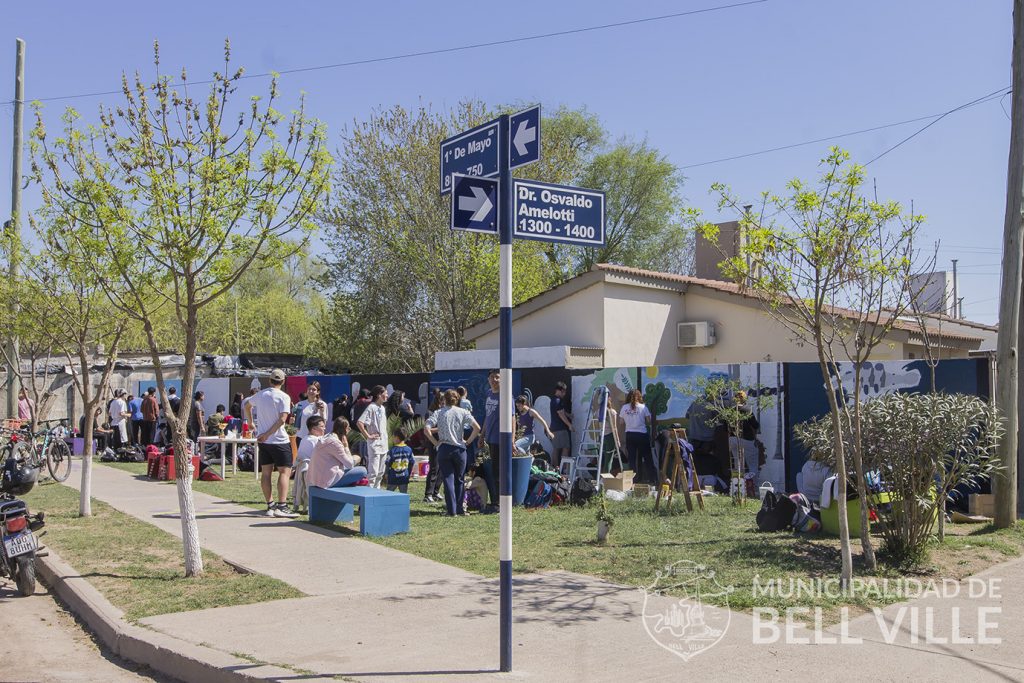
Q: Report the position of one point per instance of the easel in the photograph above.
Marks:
(673, 472)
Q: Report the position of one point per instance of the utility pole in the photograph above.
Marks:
(14, 238)
(956, 308)
(1007, 356)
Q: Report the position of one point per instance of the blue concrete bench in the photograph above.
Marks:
(381, 513)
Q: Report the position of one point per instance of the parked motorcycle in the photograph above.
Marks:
(18, 544)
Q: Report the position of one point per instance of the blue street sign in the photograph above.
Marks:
(557, 213)
(524, 137)
(474, 204)
(474, 152)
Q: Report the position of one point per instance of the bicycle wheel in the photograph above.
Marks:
(58, 460)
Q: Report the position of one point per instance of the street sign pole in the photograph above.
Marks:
(505, 219)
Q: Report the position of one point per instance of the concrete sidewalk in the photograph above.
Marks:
(379, 614)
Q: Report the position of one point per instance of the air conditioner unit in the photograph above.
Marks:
(693, 335)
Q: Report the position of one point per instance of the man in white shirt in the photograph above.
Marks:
(274, 448)
(118, 418)
(373, 425)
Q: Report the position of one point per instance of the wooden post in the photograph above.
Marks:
(13, 385)
(1005, 484)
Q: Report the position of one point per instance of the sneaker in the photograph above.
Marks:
(281, 510)
(270, 509)
(428, 499)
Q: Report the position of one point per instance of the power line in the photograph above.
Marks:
(448, 50)
(984, 98)
(937, 118)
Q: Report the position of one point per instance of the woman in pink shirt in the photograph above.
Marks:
(332, 464)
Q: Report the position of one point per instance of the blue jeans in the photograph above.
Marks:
(452, 461)
(350, 478)
(523, 444)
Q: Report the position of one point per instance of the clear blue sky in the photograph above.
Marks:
(698, 88)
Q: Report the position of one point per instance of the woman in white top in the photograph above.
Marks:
(636, 422)
(313, 405)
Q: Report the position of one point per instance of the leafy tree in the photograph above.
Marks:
(802, 253)
(643, 227)
(402, 286)
(67, 306)
(185, 195)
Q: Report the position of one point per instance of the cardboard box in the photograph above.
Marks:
(982, 504)
(623, 482)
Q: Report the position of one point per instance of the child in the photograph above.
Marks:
(399, 463)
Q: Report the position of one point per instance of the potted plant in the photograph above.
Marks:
(605, 520)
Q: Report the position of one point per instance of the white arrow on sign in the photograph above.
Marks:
(523, 137)
(479, 203)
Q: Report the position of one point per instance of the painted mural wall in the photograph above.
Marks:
(680, 384)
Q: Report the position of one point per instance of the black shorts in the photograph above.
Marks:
(278, 454)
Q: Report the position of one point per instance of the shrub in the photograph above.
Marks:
(921, 446)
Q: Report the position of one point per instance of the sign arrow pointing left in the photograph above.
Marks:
(525, 134)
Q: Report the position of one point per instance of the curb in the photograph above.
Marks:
(170, 656)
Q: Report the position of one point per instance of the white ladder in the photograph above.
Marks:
(590, 451)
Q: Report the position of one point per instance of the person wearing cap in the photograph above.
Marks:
(118, 411)
(272, 407)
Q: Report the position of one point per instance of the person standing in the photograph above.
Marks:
(451, 424)
(561, 426)
(313, 405)
(433, 483)
(236, 406)
(341, 407)
(26, 406)
(197, 418)
(174, 400)
(700, 432)
(491, 434)
(248, 410)
(373, 425)
(400, 463)
(135, 408)
(118, 412)
(636, 421)
(150, 415)
(274, 449)
(746, 439)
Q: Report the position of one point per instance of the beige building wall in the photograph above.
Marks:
(636, 326)
(640, 325)
(576, 320)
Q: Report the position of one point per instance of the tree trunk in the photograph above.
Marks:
(846, 573)
(183, 463)
(85, 488)
(862, 484)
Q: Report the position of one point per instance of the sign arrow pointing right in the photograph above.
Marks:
(479, 203)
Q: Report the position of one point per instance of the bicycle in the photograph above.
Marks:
(53, 451)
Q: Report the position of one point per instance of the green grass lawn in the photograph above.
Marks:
(137, 566)
(723, 537)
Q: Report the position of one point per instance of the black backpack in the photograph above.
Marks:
(776, 513)
(582, 490)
